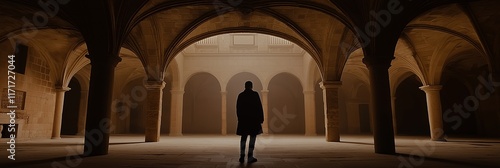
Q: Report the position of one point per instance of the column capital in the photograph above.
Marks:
(153, 85)
(264, 91)
(427, 88)
(330, 84)
(223, 92)
(62, 89)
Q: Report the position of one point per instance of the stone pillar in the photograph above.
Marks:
(224, 112)
(176, 112)
(434, 111)
(265, 125)
(381, 104)
(331, 101)
(82, 114)
(310, 113)
(153, 110)
(491, 85)
(393, 107)
(56, 125)
(98, 124)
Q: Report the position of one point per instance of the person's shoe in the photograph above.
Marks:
(242, 159)
(252, 159)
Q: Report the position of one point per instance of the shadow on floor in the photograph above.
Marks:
(415, 160)
(356, 143)
(128, 143)
(474, 141)
(64, 161)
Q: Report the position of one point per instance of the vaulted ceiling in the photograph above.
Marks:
(427, 33)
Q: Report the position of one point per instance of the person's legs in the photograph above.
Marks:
(243, 143)
(251, 147)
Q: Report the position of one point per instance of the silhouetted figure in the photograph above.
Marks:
(250, 119)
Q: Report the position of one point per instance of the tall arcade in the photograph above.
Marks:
(164, 69)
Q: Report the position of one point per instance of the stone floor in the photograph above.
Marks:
(287, 151)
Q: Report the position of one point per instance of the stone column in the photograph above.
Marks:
(265, 125)
(176, 112)
(381, 103)
(224, 112)
(98, 124)
(310, 113)
(153, 110)
(56, 125)
(434, 111)
(491, 86)
(82, 114)
(393, 107)
(332, 120)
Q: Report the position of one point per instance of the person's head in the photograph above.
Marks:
(248, 85)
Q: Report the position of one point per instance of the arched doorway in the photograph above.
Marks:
(363, 106)
(202, 105)
(453, 95)
(354, 105)
(71, 108)
(135, 123)
(235, 86)
(286, 105)
(411, 108)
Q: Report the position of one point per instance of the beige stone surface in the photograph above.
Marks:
(271, 151)
(434, 42)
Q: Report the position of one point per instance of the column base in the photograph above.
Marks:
(55, 138)
(386, 152)
(153, 139)
(332, 138)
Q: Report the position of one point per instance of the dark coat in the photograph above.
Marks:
(250, 113)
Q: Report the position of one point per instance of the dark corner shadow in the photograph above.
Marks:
(357, 143)
(127, 143)
(460, 163)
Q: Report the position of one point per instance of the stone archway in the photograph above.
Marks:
(202, 105)
(286, 105)
(458, 123)
(71, 109)
(234, 87)
(135, 123)
(411, 108)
